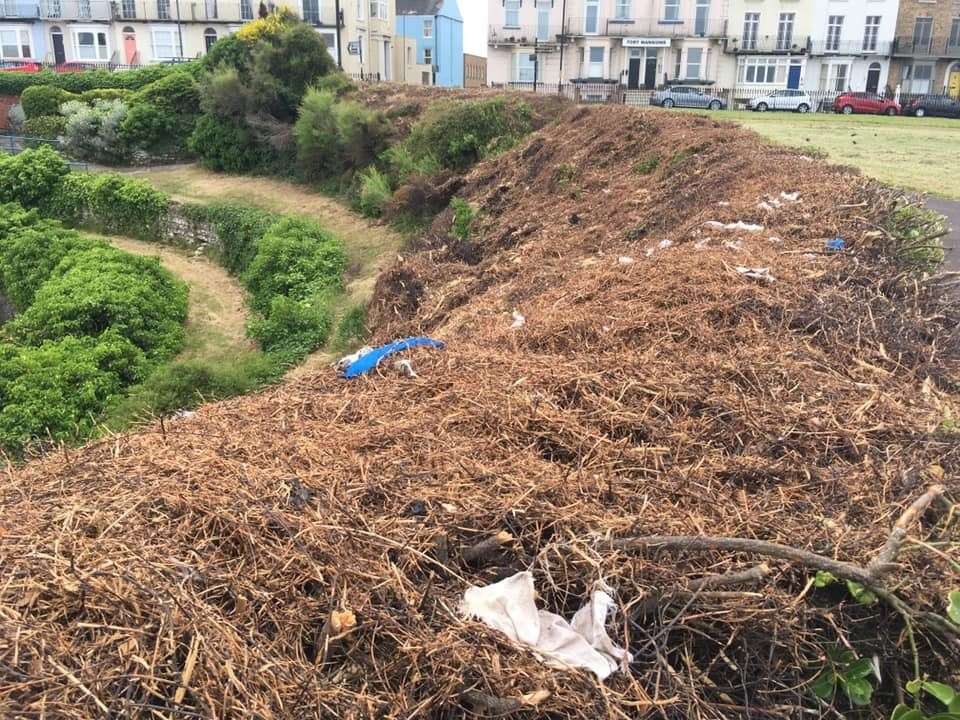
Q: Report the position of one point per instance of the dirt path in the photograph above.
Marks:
(217, 314)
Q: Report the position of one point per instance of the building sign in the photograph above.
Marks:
(646, 42)
(353, 47)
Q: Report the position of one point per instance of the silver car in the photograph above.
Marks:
(687, 96)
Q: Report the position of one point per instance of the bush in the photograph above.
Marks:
(99, 290)
(295, 258)
(375, 192)
(49, 127)
(30, 254)
(177, 92)
(227, 144)
(230, 51)
(41, 100)
(91, 96)
(31, 176)
(70, 201)
(351, 330)
(401, 163)
(78, 82)
(460, 133)
(335, 135)
(463, 218)
(93, 132)
(292, 328)
(337, 83)
(17, 118)
(239, 228)
(286, 66)
(127, 206)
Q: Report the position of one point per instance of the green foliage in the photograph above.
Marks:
(851, 673)
(333, 135)
(295, 258)
(459, 133)
(229, 51)
(351, 330)
(177, 92)
(226, 144)
(942, 692)
(127, 206)
(463, 218)
(916, 238)
(93, 132)
(99, 289)
(239, 228)
(49, 127)
(292, 328)
(565, 174)
(91, 96)
(70, 201)
(44, 100)
(337, 83)
(953, 607)
(285, 66)
(30, 254)
(402, 164)
(859, 593)
(375, 192)
(646, 165)
(78, 82)
(31, 176)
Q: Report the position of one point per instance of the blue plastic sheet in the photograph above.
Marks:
(366, 363)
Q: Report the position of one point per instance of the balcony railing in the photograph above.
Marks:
(56, 9)
(523, 34)
(932, 47)
(821, 47)
(647, 27)
(231, 11)
(18, 9)
(769, 45)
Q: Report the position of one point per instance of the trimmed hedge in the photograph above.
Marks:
(239, 228)
(126, 206)
(44, 100)
(31, 176)
(78, 82)
(49, 127)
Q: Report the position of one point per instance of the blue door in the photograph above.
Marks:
(793, 79)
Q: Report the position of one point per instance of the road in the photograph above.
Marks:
(950, 209)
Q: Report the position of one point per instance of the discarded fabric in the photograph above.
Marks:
(790, 197)
(406, 367)
(509, 606)
(370, 359)
(625, 260)
(664, 244)
(518, 321)
(352, 358)
(756, 273)
(738, 225)
(836, 244)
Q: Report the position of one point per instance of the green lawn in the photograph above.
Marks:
(913, 153)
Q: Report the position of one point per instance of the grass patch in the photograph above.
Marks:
(647, 165)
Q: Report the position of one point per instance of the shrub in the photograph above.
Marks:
(375, 192)
(49, 127)
(91, 96)
(31, 176)
(334, 135)
(70, 201)
(14, 216)
(267, 27)
(93, 132)
(646, 165)
(463, 218)
(401, 163)
(295, 258)
(127, 206)
(292, 328)
(177, 92)
(16, 83)
(286, 66)
(337, 83)
(17, 118)
(230, 51)
(41, 100)
(226, 144)
(460, 133)
(239, 228)
(100, 289)
(30, 254)
(351, 330)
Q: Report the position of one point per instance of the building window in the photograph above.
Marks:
(83, 9)
(424, 78)
(166, 44)
(428, 28)
(870, 32)
(360, 5)
(916, 78)
(91, 45)
(701, 18)
(623, 11)
(511, 13)
(428, 56)
(694, 63)
(15, 44)
(53, 9)
(833, 77)
(762, 70)
(378, 9)
(834, 30)
(592, 21)
(246, 10)
(785, 31)
(751, 26)
(954, 40)
(163, 9)
(209, 38)
(524, 67)
(128, 9)
(922, 33)
(671, 10)
(311, 11)
(596, 62)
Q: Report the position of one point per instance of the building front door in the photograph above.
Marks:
(59, 55)
(793, 79)
(650, 72)
(633, 74)
(953, 82)
(873, 78)
(130, 48)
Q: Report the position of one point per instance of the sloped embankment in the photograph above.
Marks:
(656, 388)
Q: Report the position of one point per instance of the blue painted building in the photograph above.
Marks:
(429, 43)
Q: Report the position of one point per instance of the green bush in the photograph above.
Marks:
(226, 144)
(915, 234)
(147, 126)
(31, 176)
(177, 92)
(100, 289)
(162, 114)
(295, 258)
(127, 206)
(463, 218)
(337, 83)
(459, 133)
(375, 192)
(334, 135)
(14, 216)
(401, 163)
(91, 96)
(78, 82)
(351, 330)
(229, 51)
(93, 132)
(239, 228)
(286, 65)
(30, 254)
(49, 127)
(292, 328)
(43, 100)
(70, 200)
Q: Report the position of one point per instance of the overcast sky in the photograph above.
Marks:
(474, 26)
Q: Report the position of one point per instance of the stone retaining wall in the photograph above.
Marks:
(179, 229)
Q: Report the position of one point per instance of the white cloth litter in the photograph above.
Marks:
(518, 321)
(405, 367)
(509, 606)
(664, 244)
(791, 197)
(738, 225)
(625, 260)
(352, 358)
(762, 273)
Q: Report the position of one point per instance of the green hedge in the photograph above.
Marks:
(239, 228)
(79, 82)
(49, 127)
(126, 206)
(30, 254)
(43, 100)
(31, 176)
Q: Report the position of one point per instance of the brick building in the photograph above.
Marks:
(926, 51)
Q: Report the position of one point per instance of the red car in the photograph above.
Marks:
(20, 66)
(849, 103)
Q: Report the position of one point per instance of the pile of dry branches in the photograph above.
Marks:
(701, 438)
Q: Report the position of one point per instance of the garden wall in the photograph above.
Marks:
(6, 102)
(182, 231)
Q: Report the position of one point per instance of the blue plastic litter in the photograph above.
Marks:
(366, 363)
(837, 244)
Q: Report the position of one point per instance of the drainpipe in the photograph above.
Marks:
(336, 7)
(563, 42)
(179, 30)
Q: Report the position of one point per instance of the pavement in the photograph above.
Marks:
(951, 243)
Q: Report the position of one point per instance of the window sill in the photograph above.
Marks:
(669, 22)
(511, 27)
(622, 21)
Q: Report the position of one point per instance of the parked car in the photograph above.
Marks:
(795, 100)
(687, 96)
(936, 105)
(861, 102)
(20, 66)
